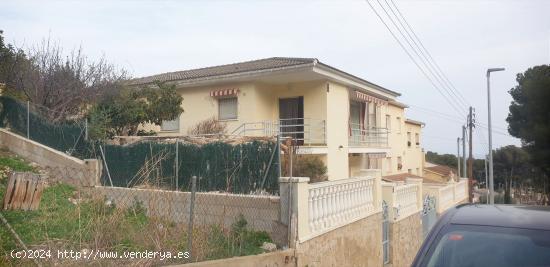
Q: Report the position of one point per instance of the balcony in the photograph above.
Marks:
(304, 131)
(367, 137)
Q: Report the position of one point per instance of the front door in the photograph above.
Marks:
(291, 118)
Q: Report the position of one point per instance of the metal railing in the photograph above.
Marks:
(361, 135)
(304, 131)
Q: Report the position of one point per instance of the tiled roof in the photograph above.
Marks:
(414, 122)
(247, 66)
(402, 176)
(443, 170)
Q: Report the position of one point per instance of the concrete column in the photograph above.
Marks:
(294, 193)
(377, 174)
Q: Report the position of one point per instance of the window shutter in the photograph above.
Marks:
(227, 108)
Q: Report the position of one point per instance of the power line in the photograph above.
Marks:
(422, 55)
(422, 60)
(411, 57)
(437, 67)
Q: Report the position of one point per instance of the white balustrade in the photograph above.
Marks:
(460, 190)
(406, 200)
(335, 203)
(446, 197)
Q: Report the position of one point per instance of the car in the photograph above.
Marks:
(472, 235)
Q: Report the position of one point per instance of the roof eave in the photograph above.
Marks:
(355, 79)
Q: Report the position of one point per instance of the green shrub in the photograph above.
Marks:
(307, 166)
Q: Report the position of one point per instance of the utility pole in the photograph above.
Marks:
(458, 155)
(470, 158)
(463, 151)
(491, 180)
(486, 180)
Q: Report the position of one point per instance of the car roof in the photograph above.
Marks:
(515, 216)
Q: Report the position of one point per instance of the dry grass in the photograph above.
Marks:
(208, 127)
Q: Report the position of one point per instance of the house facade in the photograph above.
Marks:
(348, 122)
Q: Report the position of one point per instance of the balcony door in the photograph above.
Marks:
(291, 118)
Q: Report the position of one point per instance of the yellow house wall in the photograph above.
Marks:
(256, 102)
(337, 133)
(413, 155)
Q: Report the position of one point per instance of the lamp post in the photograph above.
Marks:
(491, 181)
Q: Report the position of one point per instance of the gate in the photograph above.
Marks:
(385, 233)
(429, 216)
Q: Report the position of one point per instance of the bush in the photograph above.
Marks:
(208, 126)
(306, 166)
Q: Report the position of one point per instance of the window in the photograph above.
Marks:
(388, 163)
(172, 125)
(227, 108)
(409, 139)
(388, 122)
(399, 163)
(417, 138)
(418, 171)
(409, 171)
(398, 125)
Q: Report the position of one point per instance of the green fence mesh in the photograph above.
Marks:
(220, 166)
(66, 136)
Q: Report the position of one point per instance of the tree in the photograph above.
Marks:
(64, 84)
(122, 113)
(10, 60)
(529, 117)
(444, 159)
(510, 163)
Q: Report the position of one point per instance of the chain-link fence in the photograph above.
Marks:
(247, 167)
(231, 164)
(147, 201)
(114, 225)
(32, 121)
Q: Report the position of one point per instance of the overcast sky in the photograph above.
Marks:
(464, 37)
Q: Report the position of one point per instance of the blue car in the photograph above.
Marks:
(488, 235)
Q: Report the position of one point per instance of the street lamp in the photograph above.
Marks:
(491, 181)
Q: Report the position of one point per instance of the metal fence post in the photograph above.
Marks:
(28, 120)
(177, 166)
(191, 207)
(278, 155)
(86, 129)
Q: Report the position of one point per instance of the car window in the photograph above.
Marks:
(485, 246)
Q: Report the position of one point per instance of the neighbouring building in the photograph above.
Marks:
(440, 173)
(347, 121)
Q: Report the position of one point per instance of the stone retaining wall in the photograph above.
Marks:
(261, 212)
(355, 244)
(60, 166)
(405, 240)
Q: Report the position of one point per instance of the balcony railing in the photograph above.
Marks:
(304, 131)
(369, 136)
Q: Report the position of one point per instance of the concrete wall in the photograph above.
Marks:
(413, 156)
(283, 258)
(405, 240)
(60, 166)
(261, 212)
(355, 244)
(337, 131)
